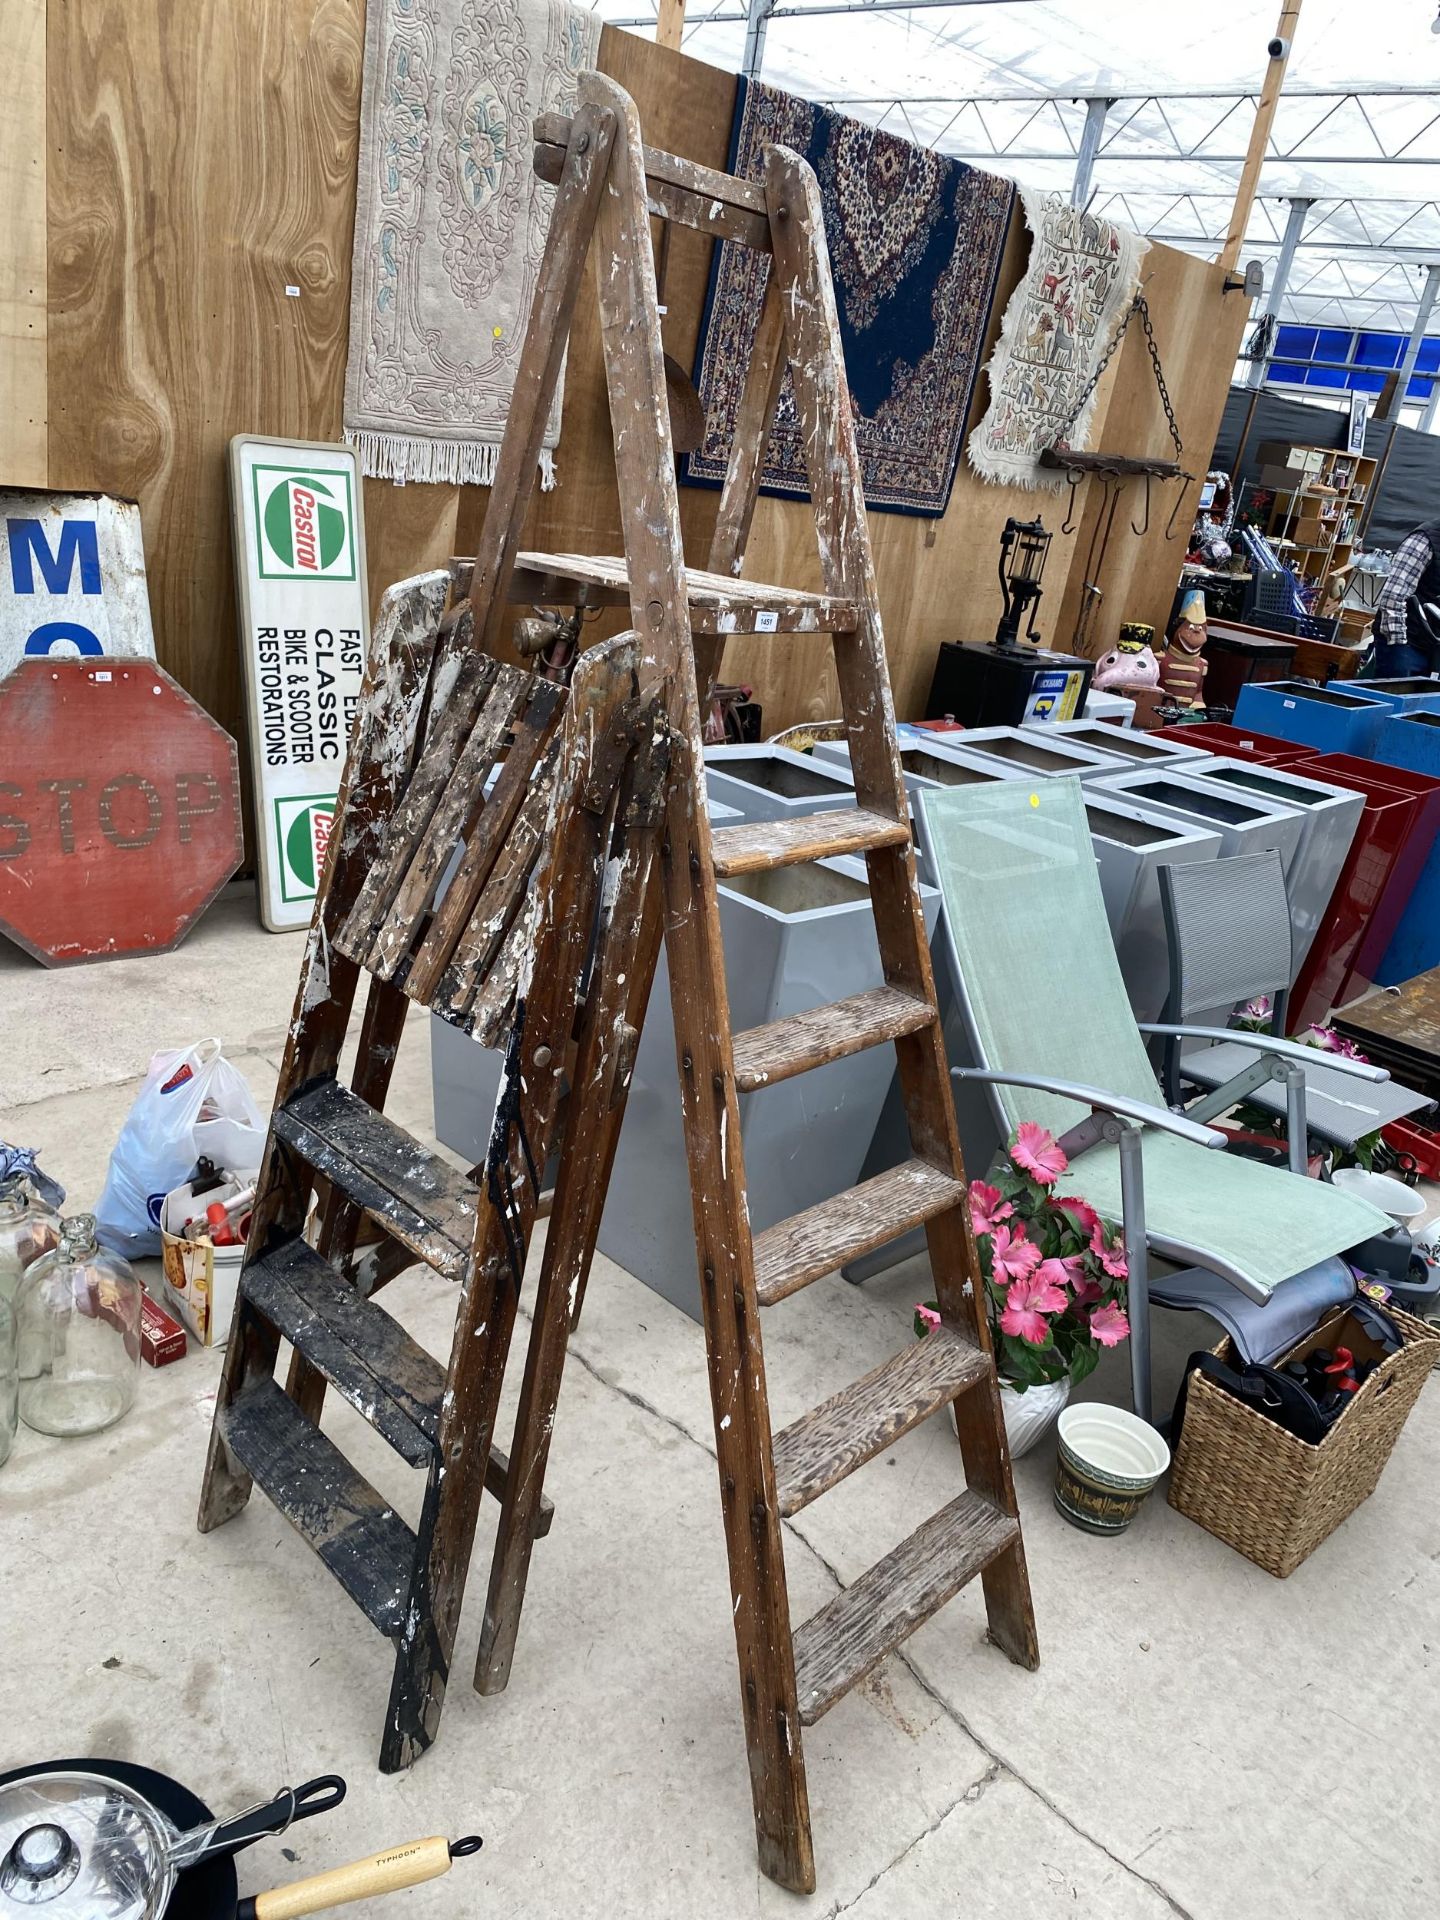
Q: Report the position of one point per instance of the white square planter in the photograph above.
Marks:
(794, 938)
(1246, 822)
(923, 766)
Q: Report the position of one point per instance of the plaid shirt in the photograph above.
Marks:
(1412, 557)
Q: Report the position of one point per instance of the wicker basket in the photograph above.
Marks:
(1269, 1495)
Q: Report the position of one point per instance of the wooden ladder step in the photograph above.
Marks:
(839, 1645)
(790, 1255)
(418, 1198)
(367, 1356)
(764, 1056)
(719, 602)
(762, 845)
(819, 1449)
(363, 1542)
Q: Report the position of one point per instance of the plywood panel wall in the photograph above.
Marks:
(23, 298)
(200, 161)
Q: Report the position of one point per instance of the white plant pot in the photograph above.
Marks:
(1031, 1414)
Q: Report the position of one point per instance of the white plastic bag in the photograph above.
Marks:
(193, 1102)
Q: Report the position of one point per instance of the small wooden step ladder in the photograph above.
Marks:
(633, 801)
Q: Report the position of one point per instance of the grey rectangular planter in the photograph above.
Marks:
(1329, 816)
(1130, 844)
(1034, 753)
(465, 1077)
(923, 766)
(1128, 743)
(1246, 822)
(793, 938)
(775, 783)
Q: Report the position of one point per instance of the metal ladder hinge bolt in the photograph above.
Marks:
(655, 612)
(582, 145)
(542, 1056)
(717, 1081)
(687, 1061)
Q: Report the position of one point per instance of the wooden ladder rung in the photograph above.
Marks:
(839, 1645)
(764, 1056)
(810, 1244)
(718, 602)
(364, 1542)
(418, 1198)
(759, 846)
(823, 1446)
(366, 1356)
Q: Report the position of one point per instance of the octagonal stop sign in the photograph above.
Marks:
(119, 809)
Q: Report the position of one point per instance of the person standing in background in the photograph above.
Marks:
(1404, 640)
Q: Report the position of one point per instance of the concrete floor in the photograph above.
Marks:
(1200, 1739)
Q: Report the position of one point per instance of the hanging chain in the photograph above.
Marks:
(1137, 305)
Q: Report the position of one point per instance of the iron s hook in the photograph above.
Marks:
(1146, 527)
(1073, 475)
(1189, 480)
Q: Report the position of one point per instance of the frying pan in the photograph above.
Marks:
(208, 1890)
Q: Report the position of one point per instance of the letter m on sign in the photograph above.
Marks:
(29, 549)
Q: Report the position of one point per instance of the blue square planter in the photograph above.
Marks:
(1412, 740)
(1319, 717)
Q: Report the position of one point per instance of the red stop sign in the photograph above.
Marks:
(119, 809)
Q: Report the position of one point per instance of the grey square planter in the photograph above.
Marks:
(1127, 743)
(775, 783)
(1034, 753)
(1329, 816)
(1246, 822)
(793, 939)
(465, 1077)
(923, 766)
(1130, 844)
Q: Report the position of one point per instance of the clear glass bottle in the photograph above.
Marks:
(77, 1320)
(28, 1228)
(9, 1381)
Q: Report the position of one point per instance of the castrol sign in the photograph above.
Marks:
(304, 630)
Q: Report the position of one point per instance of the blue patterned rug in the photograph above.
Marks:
(915, 246)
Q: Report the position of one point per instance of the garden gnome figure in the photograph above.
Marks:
(1182, 671)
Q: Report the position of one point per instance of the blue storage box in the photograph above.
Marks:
(1319, 717)
(1412, 740)
(1412, 694)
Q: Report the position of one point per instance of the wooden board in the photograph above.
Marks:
(201, 161)
(23, 318)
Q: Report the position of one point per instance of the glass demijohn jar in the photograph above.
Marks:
(28, 1228)
(77, 1319)
(9, 1381)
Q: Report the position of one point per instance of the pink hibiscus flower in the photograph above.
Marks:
(1325, 1038)
(1026, 1305)
(1081, 1209)
(1054, 1273)
(1108, 1324)
(1112, 1259)
(1012, 1256)
(987, 1209)
(1035, 1152)
(1087, 1290)
(928, 1317)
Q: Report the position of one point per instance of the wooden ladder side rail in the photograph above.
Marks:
(630, 326)
(833, 461)
(566, 888)
(390, 697)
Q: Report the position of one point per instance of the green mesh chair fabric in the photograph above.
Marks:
(1036, 971)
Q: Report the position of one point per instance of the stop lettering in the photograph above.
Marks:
(119, 809)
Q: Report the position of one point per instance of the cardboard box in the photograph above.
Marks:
(200, 1279)
(162, 1339)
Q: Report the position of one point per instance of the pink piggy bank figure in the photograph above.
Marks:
(1122, 668)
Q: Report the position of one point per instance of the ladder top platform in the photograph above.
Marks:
(718, 603)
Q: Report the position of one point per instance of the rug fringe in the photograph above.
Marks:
(417, 458)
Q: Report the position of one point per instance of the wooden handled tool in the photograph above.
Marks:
(387, 1872)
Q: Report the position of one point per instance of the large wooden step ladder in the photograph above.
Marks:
(661, 883)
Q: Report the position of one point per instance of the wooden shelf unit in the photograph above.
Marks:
(1320, 493)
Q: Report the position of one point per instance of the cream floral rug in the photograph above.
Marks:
(450, 225)
(1082, 276)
